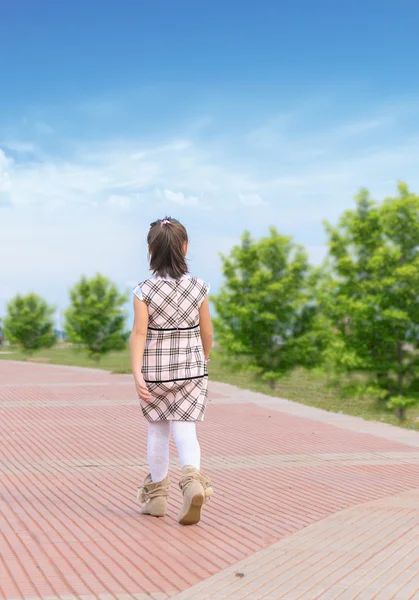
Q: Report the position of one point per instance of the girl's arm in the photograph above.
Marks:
(137, 343)
(205, 326)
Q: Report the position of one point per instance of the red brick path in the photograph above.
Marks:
(72, 448)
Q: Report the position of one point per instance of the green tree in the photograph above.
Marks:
(264, 313)
(96, 317)
(371, 296)
(29, 322)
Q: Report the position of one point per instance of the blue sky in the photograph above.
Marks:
(228, 115)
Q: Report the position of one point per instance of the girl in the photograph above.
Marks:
(170, 347)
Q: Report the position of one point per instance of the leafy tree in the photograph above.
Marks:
(95, 317)
(29, 322)
(263, 309)
(372, 296)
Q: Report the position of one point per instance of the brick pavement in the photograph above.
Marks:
(308, 504)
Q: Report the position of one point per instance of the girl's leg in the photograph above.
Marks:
(184, 433)
(195, 486)
(158, 449)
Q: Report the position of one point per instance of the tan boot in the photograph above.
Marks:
(154, 496)
(197, 490)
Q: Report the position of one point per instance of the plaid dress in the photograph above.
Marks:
(174, 365)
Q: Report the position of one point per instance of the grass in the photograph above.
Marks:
(313, 388)
(116, 362)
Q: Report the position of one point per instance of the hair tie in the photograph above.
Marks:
(164, 222)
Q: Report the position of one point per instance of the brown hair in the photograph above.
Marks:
(166, 241)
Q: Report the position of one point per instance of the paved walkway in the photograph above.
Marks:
(308, 504)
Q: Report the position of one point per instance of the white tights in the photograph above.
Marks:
(184, 434)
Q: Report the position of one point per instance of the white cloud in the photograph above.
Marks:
(90, 209)
(325, 165)
(199, 125)
(181, 198)
(359, 127)
(121, 202)
(5, 162)
(19, 146)
(43, 128)
(6, 165)
(102, 108)
(250, 199)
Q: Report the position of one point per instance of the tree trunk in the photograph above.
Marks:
(400, 374)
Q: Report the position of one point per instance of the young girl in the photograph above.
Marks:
(170, 347)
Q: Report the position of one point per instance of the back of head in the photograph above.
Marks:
(167, 244)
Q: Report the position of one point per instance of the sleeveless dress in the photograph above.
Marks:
(174, 365)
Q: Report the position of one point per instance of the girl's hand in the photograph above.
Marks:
(142, 389)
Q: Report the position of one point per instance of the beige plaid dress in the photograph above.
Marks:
(174, 365)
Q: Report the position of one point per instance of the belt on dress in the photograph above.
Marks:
(177, 379)
(173, 328)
